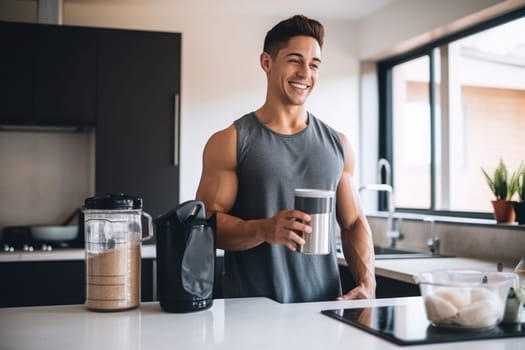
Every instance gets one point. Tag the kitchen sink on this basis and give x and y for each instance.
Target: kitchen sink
(395, 253)
(383, 253)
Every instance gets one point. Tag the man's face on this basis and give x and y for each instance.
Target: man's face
(293, 73)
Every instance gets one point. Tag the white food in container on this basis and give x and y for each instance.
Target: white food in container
(459, 297)
(439, 309)
(482, 313)
(465, 299)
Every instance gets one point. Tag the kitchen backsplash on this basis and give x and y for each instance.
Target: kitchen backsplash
(487, 242)
(45, 175)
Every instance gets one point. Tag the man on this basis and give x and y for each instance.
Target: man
(250, 171)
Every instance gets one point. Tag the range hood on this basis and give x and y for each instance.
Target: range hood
(44, 128)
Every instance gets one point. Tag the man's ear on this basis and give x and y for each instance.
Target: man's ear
(265, 61)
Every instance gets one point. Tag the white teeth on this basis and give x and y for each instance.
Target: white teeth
(299, 86)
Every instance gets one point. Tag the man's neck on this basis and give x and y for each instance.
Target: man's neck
(284, 120)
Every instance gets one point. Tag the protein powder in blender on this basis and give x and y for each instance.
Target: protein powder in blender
(113, 237)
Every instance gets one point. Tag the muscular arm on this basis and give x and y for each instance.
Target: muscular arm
(356, 235)
(218, 191)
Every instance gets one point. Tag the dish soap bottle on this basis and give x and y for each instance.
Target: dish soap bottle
(516, 296)
(514, 306)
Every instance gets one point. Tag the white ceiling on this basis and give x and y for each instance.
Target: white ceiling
(343, 9)
(322, 9)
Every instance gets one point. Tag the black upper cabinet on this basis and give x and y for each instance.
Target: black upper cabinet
(65, 70)
(17, 43)
(126, 82)
(48, 74)
(139, 79)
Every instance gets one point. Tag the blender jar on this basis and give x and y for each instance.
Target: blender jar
(113, 236)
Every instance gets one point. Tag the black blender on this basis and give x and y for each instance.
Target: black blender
(185, 258)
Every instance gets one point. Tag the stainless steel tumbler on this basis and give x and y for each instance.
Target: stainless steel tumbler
(318, 204)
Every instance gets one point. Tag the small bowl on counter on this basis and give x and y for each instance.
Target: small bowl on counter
(465, 299)
(52, 233)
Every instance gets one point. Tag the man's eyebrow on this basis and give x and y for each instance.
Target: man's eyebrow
(301, 56)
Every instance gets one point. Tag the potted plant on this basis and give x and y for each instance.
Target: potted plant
(503, 187)
(519, 207)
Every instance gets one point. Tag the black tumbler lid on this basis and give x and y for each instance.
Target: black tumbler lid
(113, 201)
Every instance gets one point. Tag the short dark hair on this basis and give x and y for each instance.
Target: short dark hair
(278, 37)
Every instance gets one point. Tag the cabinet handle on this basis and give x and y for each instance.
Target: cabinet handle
(176, 120)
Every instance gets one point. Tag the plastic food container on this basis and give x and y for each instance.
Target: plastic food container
(465, 299)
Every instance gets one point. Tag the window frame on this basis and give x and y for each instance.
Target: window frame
(385, 132)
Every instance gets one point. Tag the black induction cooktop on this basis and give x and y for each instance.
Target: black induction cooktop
(408, 325)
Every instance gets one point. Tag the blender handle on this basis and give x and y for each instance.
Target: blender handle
(150, 227)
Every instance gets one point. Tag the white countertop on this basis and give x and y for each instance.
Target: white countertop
(251, 323)
(405, 269)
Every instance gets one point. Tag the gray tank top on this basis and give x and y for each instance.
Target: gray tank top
(269, 167)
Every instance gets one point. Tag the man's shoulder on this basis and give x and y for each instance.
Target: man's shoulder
(245, 119)
(322, 124)
(231, 129)
(224, 134)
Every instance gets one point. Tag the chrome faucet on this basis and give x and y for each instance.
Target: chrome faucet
(433, 241)
(391, 233)
(384, 163)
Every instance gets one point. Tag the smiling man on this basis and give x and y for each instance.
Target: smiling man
(250, 172)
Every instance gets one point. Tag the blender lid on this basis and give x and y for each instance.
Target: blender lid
(113, 201)
(190, 211)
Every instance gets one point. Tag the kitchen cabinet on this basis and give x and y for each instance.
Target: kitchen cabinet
(34, 283)
(137, 128)
(48, 75)
(65, 75)
(126, 82)
(217, 283)
(391, 288)
(16, 72)
(42, 283)
(385, 288)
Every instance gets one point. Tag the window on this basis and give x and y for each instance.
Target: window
(411, 129)
(451, 108)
